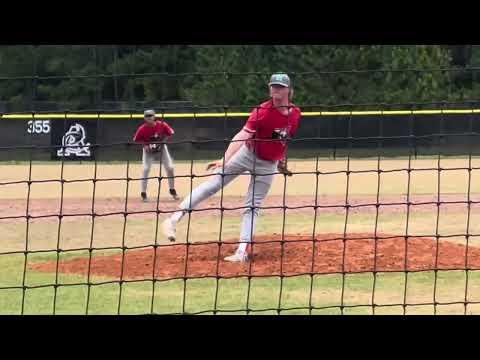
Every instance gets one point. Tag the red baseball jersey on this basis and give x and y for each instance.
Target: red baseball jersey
(268, 123)
(149, 134)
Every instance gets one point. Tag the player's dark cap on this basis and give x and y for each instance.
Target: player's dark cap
(148, 113)
(279, 79)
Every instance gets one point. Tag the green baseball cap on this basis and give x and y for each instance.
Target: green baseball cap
(279, 79)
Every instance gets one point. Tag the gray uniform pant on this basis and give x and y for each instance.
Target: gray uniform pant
(163, 156)
(260, 182)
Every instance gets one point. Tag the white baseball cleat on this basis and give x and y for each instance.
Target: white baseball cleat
(169, 229)
(237, 257)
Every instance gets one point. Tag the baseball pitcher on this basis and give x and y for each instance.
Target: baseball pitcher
(260, 149)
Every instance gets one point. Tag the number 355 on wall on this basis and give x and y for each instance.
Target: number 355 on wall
(38, 127)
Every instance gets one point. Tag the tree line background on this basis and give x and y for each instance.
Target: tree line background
(88, 77)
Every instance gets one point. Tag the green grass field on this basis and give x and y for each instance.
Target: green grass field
(324, 293)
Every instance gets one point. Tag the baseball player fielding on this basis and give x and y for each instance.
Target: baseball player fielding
(151, 134)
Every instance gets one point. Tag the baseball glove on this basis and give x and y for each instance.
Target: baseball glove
(154, 147)
(282, 168)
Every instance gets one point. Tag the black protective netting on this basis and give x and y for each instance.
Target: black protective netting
(378, 216)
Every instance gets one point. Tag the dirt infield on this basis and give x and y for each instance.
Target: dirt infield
(74, 208)
(268, 258)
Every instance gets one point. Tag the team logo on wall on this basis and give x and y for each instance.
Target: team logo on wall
(73, 139)
(74, 142)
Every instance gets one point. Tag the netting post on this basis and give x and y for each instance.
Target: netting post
(377, 206)
(27, 218)
(437, 235)
(314, 240)
(407, 220)
(92, 232)
(469, 208)
(125, 215)
(158, 211)
(282, 241)
(60, 217)
(187, 248)
(222, 210)
(252, 209)
(347, 208)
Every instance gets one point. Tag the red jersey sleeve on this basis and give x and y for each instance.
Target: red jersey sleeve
(253, 121)
(167, 129)
(139, 135)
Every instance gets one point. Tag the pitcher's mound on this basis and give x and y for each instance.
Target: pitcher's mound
(327, 253)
